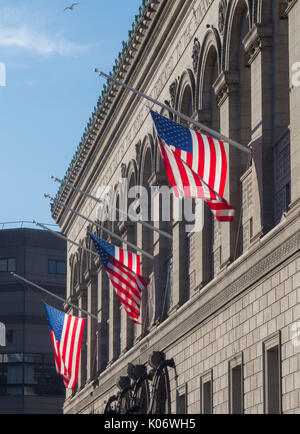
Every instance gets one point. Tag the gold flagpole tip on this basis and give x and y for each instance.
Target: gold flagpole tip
(96, 70)
(34, 222)
(51, 177)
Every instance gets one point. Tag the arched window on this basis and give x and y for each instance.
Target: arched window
(131, 234)
(147, 235)
(183, 255)
(240, 126)
(210, 112)
(281, 110)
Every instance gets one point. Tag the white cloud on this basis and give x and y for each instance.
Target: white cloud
(35, 41)
(19, 29)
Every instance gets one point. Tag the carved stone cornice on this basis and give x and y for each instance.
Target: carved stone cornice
(225, 85)
(257, 39)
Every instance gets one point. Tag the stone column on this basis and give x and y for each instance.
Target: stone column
(156, 290)
(82, 303)
(114, 324)
(200, 242)
(258, 46)
(293, 12)
(226, 89)
(92, 302)
(103, 324)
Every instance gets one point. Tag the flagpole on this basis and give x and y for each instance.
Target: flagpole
(147, 225)
(16, 276)
(181, 115)
(143, 252)
(65, 238)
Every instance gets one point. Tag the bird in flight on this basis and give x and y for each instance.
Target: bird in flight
(71, 7)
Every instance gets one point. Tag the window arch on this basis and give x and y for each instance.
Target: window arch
(238, 25)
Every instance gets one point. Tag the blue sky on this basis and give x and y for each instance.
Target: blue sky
(50, 91)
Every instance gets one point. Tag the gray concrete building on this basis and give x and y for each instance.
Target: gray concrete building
(220, 317)
(28, 380)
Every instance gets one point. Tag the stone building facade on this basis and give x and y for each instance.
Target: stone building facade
(222, 332)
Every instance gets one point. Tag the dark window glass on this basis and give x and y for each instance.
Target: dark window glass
(207, 397)
(272, 381)
(11, 265)
(236, 390)
(57, 267)
(29, 374)
(7, 265)
(182, 404)
(61, 268)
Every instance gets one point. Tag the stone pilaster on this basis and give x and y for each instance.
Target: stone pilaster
(103, 325)
(226, 89)
(162, 248)
(293, 12)
(114, 324)
(82, 303)
(92, 324)
(258, 46)
(200, 242)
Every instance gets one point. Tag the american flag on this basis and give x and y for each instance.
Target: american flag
(124, 271)
(66, 335)
(196, 165)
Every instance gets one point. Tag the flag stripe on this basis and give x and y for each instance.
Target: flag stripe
(66, 333)
(196, 165)
(123, 269)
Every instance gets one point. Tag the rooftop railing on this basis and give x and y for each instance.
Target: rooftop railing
(23, 224)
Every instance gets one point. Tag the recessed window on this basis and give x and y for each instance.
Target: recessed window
(206, 391)
(236, 389)
(272, 375)
(182, 400)
(7, 265)
(57, 267)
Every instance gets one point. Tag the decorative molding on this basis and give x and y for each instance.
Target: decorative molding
(173, 90)
(196, 54)
(221, 16)
(123, 170)
(138, 151)
(258, 39)
(226, 84)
